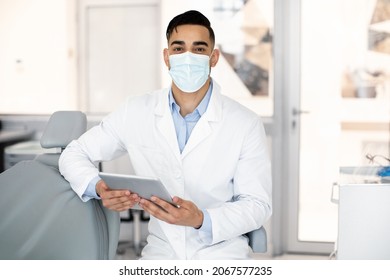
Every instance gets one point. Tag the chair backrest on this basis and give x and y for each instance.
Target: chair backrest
(61, 129)
(41, 217)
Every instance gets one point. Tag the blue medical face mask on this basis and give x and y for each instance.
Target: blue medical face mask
(189, 71)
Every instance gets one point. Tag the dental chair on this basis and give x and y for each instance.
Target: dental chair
(258, 240)
(41, 217)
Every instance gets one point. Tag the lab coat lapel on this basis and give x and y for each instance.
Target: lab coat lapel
(165, 125)
(203, 128)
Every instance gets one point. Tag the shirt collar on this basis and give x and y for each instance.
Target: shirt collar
(201, 108)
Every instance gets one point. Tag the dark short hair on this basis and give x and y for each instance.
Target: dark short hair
(190, 17)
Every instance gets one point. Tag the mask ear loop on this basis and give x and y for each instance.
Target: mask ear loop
(210, 61)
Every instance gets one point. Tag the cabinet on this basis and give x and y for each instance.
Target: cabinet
(364, 222)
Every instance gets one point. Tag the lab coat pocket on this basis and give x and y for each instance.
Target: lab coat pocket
(235, 248)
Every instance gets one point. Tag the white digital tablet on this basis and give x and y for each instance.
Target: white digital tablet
(145, 187)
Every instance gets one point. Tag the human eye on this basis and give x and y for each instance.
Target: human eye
(177, 49)
(199, 50)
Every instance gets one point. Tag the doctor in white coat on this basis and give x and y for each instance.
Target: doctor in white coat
(208, 150)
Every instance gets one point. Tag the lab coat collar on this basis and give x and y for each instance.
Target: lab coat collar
(164, 122)
(213, 112)
(202, 129)
(200, 109)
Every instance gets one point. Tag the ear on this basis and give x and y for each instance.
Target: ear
(214, 57)
(166, 57)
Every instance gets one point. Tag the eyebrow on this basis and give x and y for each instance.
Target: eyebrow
(196, 43)
(177, 43)
(200, 43)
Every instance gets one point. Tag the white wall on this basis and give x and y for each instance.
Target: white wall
(37, 56)
(40, 56)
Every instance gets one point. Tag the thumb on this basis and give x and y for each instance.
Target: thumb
(100, 187)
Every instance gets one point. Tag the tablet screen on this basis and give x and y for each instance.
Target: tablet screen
(145, 187)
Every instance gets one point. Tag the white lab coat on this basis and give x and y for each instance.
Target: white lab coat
(224, 168)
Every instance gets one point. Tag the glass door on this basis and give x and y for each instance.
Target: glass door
(342, 112)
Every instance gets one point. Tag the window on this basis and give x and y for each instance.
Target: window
(244, 33)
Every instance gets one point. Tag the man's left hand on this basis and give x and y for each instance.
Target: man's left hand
(186, 214)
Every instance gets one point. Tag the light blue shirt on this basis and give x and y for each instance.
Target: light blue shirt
(183, 126)
(90, 192)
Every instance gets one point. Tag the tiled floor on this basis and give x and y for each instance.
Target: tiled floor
(127, 232)
(129, 254)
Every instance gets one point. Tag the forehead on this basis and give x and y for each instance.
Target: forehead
(190, 33)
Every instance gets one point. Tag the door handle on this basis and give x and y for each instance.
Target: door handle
(296, 112)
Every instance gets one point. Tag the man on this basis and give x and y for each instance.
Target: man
(209, 152)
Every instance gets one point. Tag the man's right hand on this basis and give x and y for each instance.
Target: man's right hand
(117, 200)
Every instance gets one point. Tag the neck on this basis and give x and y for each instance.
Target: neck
(189, 101)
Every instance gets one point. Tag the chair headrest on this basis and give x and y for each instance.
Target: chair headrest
(62, 128)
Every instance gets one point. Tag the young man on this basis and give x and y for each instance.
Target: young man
(208, 150)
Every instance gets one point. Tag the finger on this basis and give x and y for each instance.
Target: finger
(123, 207)
(120, 202)
(149, 205)
(120, 207)
(168, 207)
(124, 199)
(154, 210)
(115, 194)
(178, 201)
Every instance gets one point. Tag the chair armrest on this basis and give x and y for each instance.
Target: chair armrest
(258, 240)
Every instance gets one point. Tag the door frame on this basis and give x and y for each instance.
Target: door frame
(286, 133)
(83, 6)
